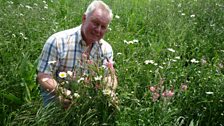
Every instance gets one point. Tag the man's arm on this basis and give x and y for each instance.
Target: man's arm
(49, 84)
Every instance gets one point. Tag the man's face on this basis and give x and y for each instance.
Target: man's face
(95, 26)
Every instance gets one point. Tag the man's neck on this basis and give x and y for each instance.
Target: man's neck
(87, 42)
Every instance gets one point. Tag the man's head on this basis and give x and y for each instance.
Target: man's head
(95, 21)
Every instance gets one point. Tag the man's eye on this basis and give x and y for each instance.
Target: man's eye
(104, 27)
(95, 23)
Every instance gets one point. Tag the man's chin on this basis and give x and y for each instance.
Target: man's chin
(95, 40)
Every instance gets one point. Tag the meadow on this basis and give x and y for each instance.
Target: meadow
(169, 59)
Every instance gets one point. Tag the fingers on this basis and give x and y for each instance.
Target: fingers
(66, 103)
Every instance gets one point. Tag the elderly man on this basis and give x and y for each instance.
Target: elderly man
(67, 47)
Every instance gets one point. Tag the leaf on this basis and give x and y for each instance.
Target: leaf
(191, 123)
(12, 98)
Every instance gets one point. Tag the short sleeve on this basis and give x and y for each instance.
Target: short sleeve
(48, 58)
(107, 54)
(107, 51)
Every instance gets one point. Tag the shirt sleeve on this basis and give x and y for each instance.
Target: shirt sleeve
(107, 51)
(48, 58)
(107, 54)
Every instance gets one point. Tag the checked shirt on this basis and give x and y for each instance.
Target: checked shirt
(66, 48)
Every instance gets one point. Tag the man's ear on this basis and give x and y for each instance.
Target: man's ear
(83, 18)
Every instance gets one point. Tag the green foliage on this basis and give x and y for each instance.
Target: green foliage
(180, 42)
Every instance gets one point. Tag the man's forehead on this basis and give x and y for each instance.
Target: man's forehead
(100, 16)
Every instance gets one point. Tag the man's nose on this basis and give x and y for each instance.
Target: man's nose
(98, 28)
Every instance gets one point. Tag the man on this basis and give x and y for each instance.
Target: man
(67, 47)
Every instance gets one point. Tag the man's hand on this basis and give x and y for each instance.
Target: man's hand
(66, 103)
(47, 82)
(111, 82)
(66, 99)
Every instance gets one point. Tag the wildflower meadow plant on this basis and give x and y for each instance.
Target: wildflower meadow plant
(92, 90)
(180, 41)
(159, 91)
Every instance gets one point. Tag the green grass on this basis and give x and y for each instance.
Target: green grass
(194, 29)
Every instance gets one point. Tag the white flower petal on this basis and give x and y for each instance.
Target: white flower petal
(149, 61)
(81, 79)
(116, 16)
(62, 75)
(98, 78)
(193, 15)
(194, 61)
(135, 41)
(177, 57)
(171, 50)
(69, 73)
(76, 95)
(209, 93)
(106, 91)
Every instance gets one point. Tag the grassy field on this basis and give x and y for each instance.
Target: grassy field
(169, 58)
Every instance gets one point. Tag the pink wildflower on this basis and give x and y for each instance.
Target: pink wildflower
(183, 87)
(74, 76)
(152, 89)
(168, 93)
(164, 94)
(110, 65)
(84, 56)
(155, 96)
(89, 61)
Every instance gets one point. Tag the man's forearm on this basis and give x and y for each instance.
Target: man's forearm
(50, 84)
(47, 82)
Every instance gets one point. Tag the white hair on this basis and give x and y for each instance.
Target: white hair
(98, 4)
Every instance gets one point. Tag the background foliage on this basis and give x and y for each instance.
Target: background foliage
(193, 29)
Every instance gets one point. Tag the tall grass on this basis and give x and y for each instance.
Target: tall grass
(182, 39)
